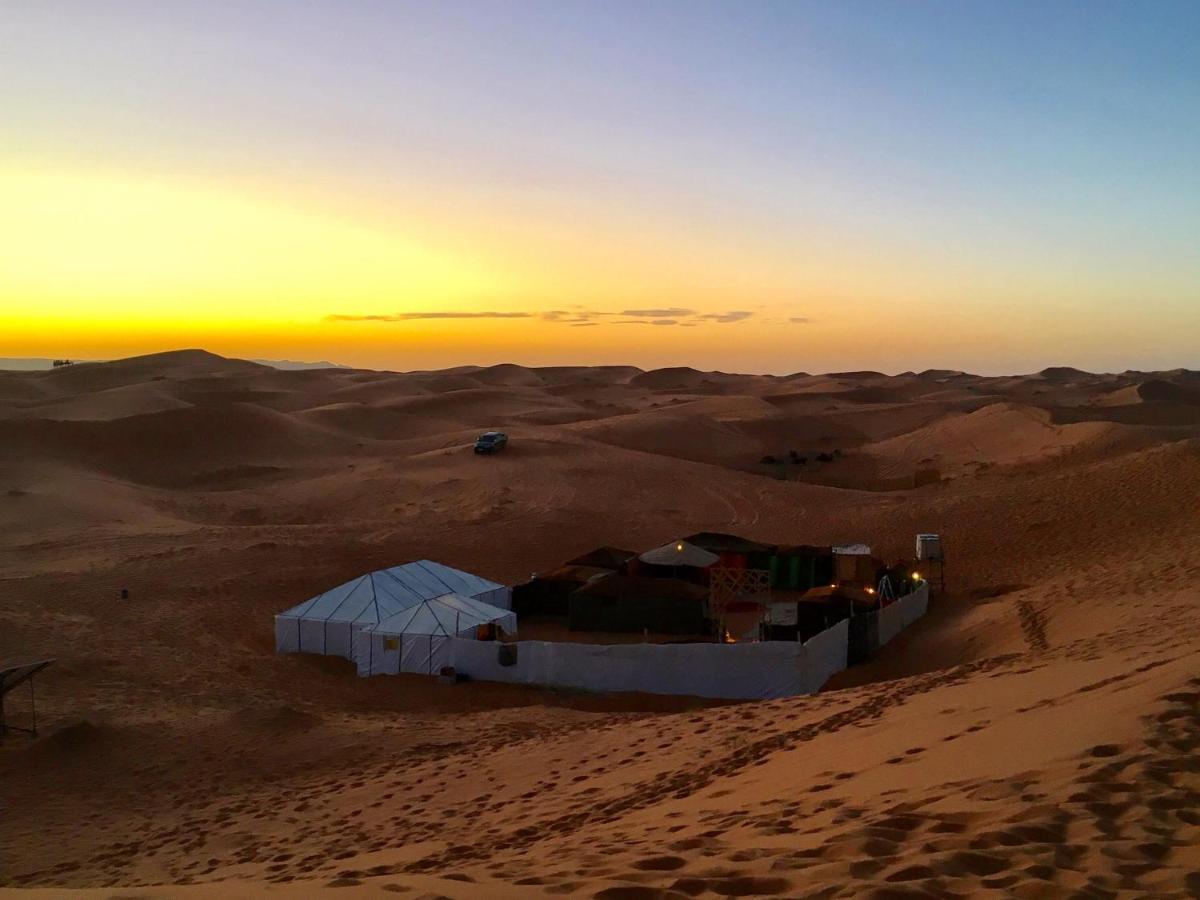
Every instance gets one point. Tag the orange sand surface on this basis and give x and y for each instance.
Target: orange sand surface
(1036, 735)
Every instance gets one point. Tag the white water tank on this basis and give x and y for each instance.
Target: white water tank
(929, 546)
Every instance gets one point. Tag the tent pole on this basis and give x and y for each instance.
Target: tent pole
(429, 660)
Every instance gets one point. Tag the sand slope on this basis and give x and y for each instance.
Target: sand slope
(1034, 736)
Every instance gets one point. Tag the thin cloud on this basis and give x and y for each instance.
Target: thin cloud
(800, 320)
(573, 315)
(672, 312)
(408, 317)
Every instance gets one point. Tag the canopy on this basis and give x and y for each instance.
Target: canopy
(853, 550)
(679, 553)
(327, 622)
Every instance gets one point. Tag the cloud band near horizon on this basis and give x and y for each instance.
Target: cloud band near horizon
(671, 315)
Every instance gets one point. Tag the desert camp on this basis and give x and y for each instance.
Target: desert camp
(685, 601)
(590, 450)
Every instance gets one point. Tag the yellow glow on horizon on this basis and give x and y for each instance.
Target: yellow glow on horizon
(121, 253)
(101, 265)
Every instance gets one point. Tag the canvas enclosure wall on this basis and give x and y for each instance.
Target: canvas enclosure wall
(748, 671)
(897, 616)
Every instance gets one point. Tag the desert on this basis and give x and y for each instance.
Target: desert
(1035, 735)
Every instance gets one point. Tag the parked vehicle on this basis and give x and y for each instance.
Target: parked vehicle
(491, 442)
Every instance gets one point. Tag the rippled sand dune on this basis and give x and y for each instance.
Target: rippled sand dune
(1035, 736)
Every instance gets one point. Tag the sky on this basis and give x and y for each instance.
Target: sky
(750, 186)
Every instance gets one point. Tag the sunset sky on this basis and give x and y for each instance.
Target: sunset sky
(764, 187)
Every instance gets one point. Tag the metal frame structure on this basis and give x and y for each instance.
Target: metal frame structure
(11, 677)
(727, 584)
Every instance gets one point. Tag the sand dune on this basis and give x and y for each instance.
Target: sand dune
(1003, 434)
(1034, 736)
(508, 375)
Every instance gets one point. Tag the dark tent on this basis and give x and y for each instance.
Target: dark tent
(800, 567)
(821, 607)
(611, 558)
(630, 603)
(717, 541)
(735, 552)
(548, 594)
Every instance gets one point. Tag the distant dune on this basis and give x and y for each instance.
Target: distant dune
(1034, 736)
(34, 364)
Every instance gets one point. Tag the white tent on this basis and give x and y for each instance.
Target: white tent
(416, 639)
(326, 624)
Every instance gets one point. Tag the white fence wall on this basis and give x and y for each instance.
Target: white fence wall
(897, 616)
(750, 671)
(917, 604)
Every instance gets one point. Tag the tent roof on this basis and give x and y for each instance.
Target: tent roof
(717, 541)
(449, 615)
(373, 597)
(577, 574)
(632, 587)
(14, 672)
(603, 558)
(679, 553)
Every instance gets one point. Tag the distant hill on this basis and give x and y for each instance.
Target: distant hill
(38, 364)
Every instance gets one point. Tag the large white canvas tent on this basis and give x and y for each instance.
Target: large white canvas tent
(326, 624)
(417, 639)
